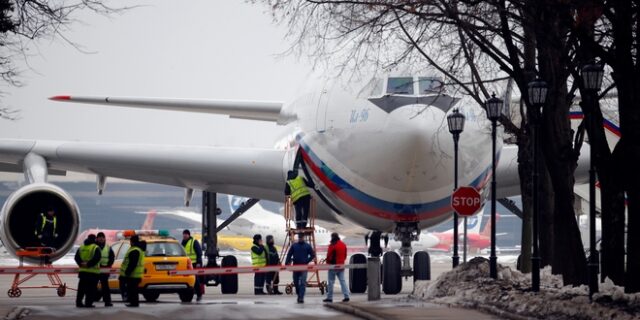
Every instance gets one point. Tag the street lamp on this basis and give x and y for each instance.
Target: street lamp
(494, 111)
(455, 120)
(537, 93)
(592, 80)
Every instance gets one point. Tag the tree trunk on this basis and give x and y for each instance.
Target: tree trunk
(547, 201)
(525, 167)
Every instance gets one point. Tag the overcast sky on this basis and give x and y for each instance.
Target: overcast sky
(194, 49)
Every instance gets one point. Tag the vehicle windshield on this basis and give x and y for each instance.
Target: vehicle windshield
(400, 85)
(164, 249)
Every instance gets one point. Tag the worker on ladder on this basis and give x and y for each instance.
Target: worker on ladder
(297, 188)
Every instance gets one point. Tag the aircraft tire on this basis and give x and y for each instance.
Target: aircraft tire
(358, 277)
(421, 266)
(391, 278)
(229, 282)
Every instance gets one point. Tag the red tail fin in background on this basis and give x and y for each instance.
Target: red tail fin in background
(148, 222)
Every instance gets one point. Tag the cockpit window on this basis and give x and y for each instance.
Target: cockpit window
(401, 85)
(372, 89)
(429, 85)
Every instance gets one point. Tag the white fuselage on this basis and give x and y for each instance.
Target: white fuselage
(377, 167)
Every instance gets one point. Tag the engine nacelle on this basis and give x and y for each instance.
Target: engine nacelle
(21, 213)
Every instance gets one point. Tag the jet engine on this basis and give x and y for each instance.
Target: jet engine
(21, 213)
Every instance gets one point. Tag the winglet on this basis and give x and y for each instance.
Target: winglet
(60, 98)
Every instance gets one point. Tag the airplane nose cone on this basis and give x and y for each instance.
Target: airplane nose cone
(412, 152)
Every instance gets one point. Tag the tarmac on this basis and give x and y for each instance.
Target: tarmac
(43, 303)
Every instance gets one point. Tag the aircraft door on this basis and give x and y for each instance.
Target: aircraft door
(321, 115)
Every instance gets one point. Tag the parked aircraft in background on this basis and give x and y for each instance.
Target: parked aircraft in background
(257, 220)
(112, 234)
(476, 239)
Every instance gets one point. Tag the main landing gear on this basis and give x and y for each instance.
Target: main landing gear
(394, 265)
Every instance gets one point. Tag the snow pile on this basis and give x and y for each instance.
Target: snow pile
(470, 286)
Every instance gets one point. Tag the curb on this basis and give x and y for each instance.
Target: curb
(350, 309)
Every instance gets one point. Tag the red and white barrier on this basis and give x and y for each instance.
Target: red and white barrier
(6, 270)
(48, 270)
(237, 270)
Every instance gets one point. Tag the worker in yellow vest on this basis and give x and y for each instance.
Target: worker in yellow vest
(297, 188)
(106, 261)
(258, 259)
(88, 260)
(131, 271)
(46, 228)
(194, 252)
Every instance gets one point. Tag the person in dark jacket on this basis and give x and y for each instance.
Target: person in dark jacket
(272, 278)
(258, 259)
(194, 252)
(336, 254)
(46, 228)
(88, 259)
(298, 189)
(300, 253)
(132, 269)
(106, 261)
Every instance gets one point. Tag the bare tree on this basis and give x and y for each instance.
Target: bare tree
(23, 22)
(472, 42)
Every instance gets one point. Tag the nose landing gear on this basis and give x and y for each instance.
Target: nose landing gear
(394, 265)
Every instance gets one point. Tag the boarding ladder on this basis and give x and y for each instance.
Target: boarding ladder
(313, 277)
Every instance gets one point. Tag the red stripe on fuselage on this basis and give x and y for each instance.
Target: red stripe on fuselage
(364, 207)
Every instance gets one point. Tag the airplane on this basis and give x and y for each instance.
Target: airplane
(111, 235)
(380, 158)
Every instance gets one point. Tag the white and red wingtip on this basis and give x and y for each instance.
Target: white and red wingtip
(60, 98)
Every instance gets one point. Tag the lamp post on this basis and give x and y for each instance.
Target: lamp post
(494, 110)
(537, 94)
(455, 120)
(592, 80)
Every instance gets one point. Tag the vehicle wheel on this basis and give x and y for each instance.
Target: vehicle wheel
(288, 289)
(358, 277)
(62, 291)
(151, 296)
(421, 266)
(186, 295)
(14, 292)
(391, 278)
(229, 282)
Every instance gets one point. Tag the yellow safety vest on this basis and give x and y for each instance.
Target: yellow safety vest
(86, 254)
(191, 252)
(298, 188)
(104, 260)
(258, 260)
(44, 222)
(139, 270)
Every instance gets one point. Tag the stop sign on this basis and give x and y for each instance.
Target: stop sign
(466, 201)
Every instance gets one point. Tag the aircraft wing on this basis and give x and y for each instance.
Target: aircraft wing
(248, 172)
(508, 179)
(253, 110)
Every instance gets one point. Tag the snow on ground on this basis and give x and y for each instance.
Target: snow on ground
(470, 286)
